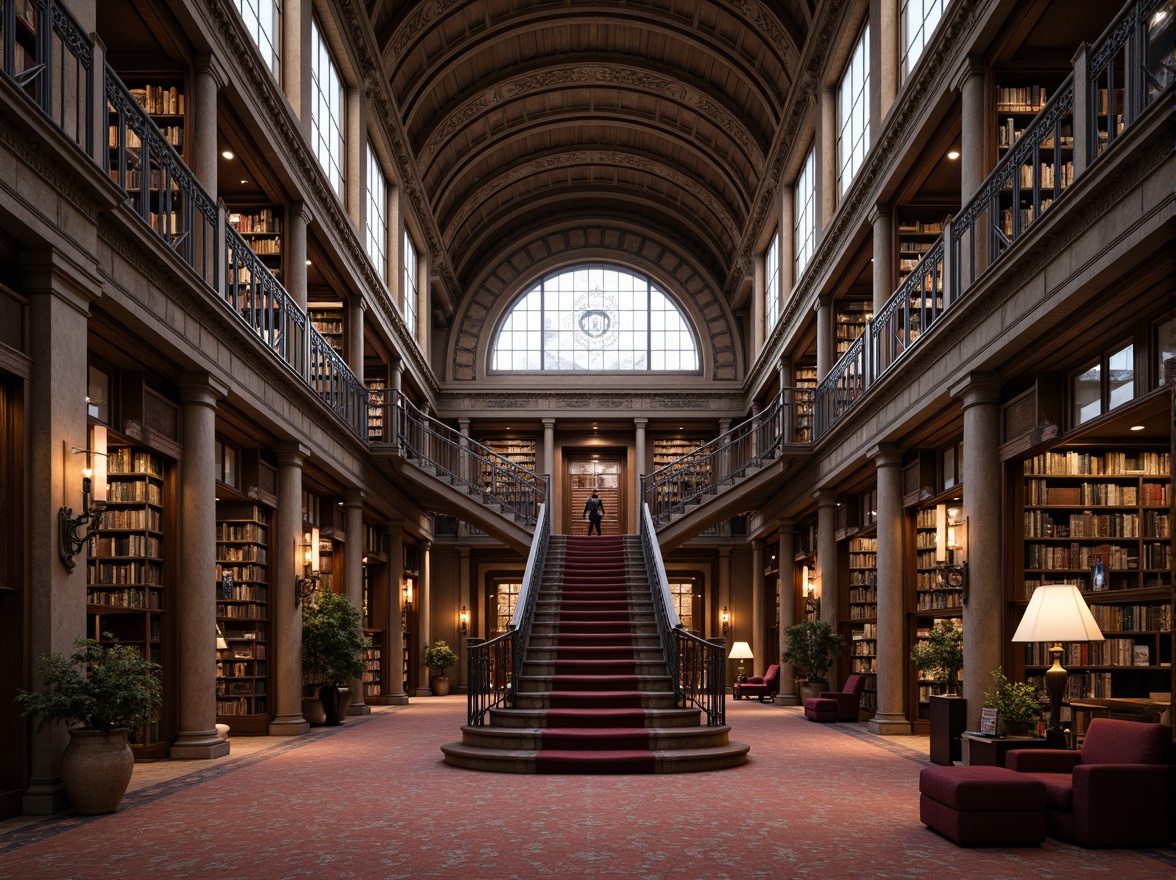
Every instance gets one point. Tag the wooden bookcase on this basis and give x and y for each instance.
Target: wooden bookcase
(242, 615)
(692, 478)
(126, 589)
(863, 615)
(916, 231)
(377, 398)
(328, 320)
(1100, 518)
(804, 378)
(849, 319)
(261, 227)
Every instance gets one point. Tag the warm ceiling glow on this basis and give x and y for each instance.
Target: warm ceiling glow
(228, 154)
(953, 154)
(244, 181)
(309, 263)
(1137, 427)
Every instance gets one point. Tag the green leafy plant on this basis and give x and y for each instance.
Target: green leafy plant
(1015, 702)
(332, 640)
(941, 655)
(812, 648)
(99, 687)
(439, 656)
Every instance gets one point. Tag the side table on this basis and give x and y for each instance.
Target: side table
(990, 751)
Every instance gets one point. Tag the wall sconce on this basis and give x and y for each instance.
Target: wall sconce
(306, 583)
(408, 595)
(951, 535)
(464, 620)
(725, 619)
(70, 537)
(812, 599)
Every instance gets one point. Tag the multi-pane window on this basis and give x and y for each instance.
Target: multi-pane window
(326, 117)
(772, 283)
(919, 18)
(805, 208)
(377, 221)
(1104, 385)
(263, 20)
(853, 112)
(595, 318)
(411, 283)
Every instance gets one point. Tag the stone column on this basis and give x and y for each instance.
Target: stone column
(296, 57)
(886, 61)
(195, 596)
(969, 81)
(355, 182)
(825, 348)
(640, 441)
(210, 77)
(826, 159)
(758, 588)
(549, 452)
(892, 647)
(827, 564)
(980, 395)
(424, 617)
(298, 217)
(883, 279)
(786, 609)
(286, 651)
(353, 577)
(787, 416)
(59, 307)
(355, 349)
(394, 626)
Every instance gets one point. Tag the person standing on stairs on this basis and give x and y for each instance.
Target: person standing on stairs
(594, 511)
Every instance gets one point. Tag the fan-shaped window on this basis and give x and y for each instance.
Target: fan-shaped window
(594, 318)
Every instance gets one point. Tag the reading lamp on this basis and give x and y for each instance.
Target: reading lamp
(740, 651)
(1057, 613)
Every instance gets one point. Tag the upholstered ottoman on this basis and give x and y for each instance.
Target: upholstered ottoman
(820, 709)
(973, 805)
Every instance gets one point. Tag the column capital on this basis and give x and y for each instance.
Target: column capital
(640, 423)
(201, 388)
(354, 498)
(300, 211)
(826, 497)
(878, 211)
(292, 452)
(785, 525)
(977, 388)
(886, 455)
(548, 423)
(209, 65)
(972, 65)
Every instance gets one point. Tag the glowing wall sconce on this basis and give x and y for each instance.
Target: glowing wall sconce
(725, 619)
(307, 583)
(463, 619)
(951, 534)
(812, 598)
(70, 536)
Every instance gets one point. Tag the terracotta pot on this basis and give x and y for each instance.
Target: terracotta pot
(336, 701)
(96, 770)
(439, 685)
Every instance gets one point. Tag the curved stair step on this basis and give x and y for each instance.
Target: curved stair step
(458, 754)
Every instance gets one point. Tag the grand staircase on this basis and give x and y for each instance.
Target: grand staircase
(595, 695)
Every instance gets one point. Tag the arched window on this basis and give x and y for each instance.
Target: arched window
(594, 318)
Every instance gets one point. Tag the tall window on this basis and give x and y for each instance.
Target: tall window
(853, 111)
(1104, 385)
(594, 318)
(263, 20)
(919, 18)
(805, 208)
(377, 221)
(326, 118)
(411, 282)
(772, 283)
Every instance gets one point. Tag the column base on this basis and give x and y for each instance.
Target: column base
(44, 797)
(200, 745)
(889, 725)
(400, 699)
(289, 725)
(424, 692)
(361, 709)
(786, 700)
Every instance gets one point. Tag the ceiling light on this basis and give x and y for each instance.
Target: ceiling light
(309, 263)
(953, 154)
(1137, 427)
(228, 154)
(244, 181)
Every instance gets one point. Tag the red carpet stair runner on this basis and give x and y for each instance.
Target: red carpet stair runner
(595, 695)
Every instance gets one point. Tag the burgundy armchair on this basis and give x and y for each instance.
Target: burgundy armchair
(1116, 791)
(760, 686)
(839, 705)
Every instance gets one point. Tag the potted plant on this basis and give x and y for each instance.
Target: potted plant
(1016, 705)
(439, 656)
(106, 690)
(812, 648)
(332, 651)
(940, 656)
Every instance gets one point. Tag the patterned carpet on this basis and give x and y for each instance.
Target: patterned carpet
(373, 799)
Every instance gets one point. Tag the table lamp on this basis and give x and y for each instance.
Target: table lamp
(1057, 613)
(740, 651)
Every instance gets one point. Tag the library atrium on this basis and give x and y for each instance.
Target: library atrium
(327, 296)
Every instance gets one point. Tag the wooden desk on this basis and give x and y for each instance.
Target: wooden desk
(990, 751)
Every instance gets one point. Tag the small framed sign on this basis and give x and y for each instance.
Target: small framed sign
(988, 719)
(226, 585)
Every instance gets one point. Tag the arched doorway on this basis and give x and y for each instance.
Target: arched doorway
(599, 472)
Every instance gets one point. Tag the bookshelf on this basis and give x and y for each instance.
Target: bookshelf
(522, 451)
(1100, 518)
(863, 615)
(377, 398)
(850, 318)
(689, 477)
(262, 230)
(126, 591)
(917, 232)
(373, 675)
(931, 593)
(328, 320)
(804, 378)
(242, 615)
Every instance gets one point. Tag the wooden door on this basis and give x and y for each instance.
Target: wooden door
(603, 475)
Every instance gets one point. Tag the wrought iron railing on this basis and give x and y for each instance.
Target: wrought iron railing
(494, 666)
(910, 312)
(730, 457)
(845, 384)
(697, 667)
(461, 461)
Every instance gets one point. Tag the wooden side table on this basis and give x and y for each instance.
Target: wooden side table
(990, 751)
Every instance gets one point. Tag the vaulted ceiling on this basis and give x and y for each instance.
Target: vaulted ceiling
(528, 118)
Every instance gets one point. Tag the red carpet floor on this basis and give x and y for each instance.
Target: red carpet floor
(373, 799)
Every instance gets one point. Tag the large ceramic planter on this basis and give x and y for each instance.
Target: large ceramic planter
(312, 711)
(812, 687)
(439, 685)
(96, 769)
(336, 701)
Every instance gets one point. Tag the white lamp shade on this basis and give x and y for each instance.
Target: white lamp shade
(740, 651)
(1057, 613)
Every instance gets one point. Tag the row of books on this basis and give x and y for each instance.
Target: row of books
(244, 650)
(1049, 557)
(240, 706)
(251, 688)
(159, 99)
(243, 593)
(864, 647)
(863, 560)
(1077, 463)
(131, 572)
(138, 491)
(934, 227)
(1041, 524)
(863, 664)
(1042, 493)
(1133, 618)
(239, 532)
(860, 594)
(264, 221)
(246, 611)
(240, 553)
(173, 134)
(124, 460)
(1079, 685)
(146, 599)
(245, 571)
(863, 612)
(862, 577)
(865, 631)
(1109, 652)
(127, 545)
(938, 600)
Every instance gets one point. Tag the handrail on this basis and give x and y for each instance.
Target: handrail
(845, 384)
(728, 458)
(495, 665)
(463, 461)
(910, 312)
(697, 667)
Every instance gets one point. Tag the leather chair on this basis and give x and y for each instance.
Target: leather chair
(760, 686)
(1116, 791)
(839, 705)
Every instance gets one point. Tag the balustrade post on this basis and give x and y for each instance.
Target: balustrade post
(1080, 116)
(99, 120)
(948, 280)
